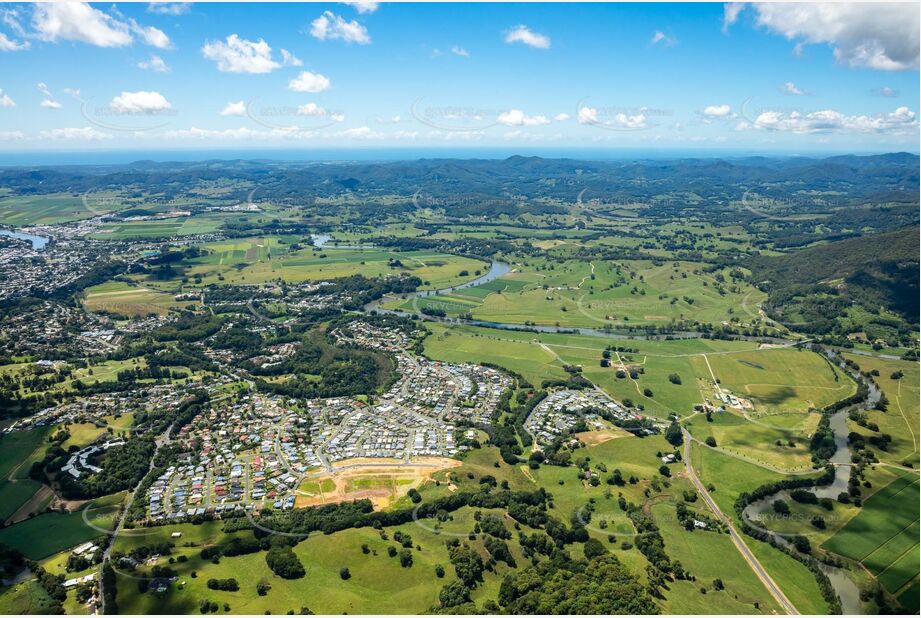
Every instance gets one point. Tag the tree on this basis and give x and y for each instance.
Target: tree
(284, 563)
(710, 441)
(454, 594)
(674, 378)
(344, 573)
(781, 507)
(673, 434)
(594, 548)
(439, 571)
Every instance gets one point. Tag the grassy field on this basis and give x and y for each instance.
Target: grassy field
(53, 208)
(782, 381)
(883, 537)
(901, 419)
(263, 259)
(576, 293)
(130, 300)
(50, 533)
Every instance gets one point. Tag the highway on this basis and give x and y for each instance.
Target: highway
(737, 539)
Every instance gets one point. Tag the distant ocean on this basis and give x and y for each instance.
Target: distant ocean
(115, 157)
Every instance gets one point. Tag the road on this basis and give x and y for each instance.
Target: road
(163, 439)
(737, 539)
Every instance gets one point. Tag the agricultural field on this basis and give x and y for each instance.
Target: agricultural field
(883, 537)
(264, 259)
(901, 419)
(576, 293)
(160, 228)
(782, 381)
(54, 208)
(53, 532)
(130, 300)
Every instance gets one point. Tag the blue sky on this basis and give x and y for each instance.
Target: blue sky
(785, 78)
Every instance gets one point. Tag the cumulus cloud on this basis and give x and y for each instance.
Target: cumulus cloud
(310, 109)
(457, 50)
(363, 6)
(717, 111)
(5, 100)
(169, 8)
(237, 55)
(140, 102)
(154, 63)
(791, 88)
(661, 37)
(731, 12)
(234, 108)
(150, 35)
(883, 36)
(73, 133)
(309, 82)
(900, 121)
(7, 44)
(517, 118)
(885, 91)
(523, 34)
(330, 26)
(78, 21)
(290, 60)
(591, 116)
(49, 102)
(561, 117)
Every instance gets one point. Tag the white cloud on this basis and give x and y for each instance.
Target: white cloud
(331, 26)
(731, 12)
(309, 82)
(791, 88)
(49, 101)
(457, 50)
(661, 37)
(78, 21)
(561, 117)
(517, 118)
(155, 63)
(883, 36)
(900, 121)
(150, 35)
(169, 8)
(5, 100)
(310, 109)
(590, 115)
(360, 133)
(234, 108)
(290, 60)
(14, 136)
(885, 91)
(8, 44)
(236, 55)
(363, 6)
(717, 111)
(140, 102)
(74, 133)
(523, 34)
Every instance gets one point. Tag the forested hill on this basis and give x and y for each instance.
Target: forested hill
(877, 270)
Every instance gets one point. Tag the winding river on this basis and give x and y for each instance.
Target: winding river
(844, 586)
(38, 242)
